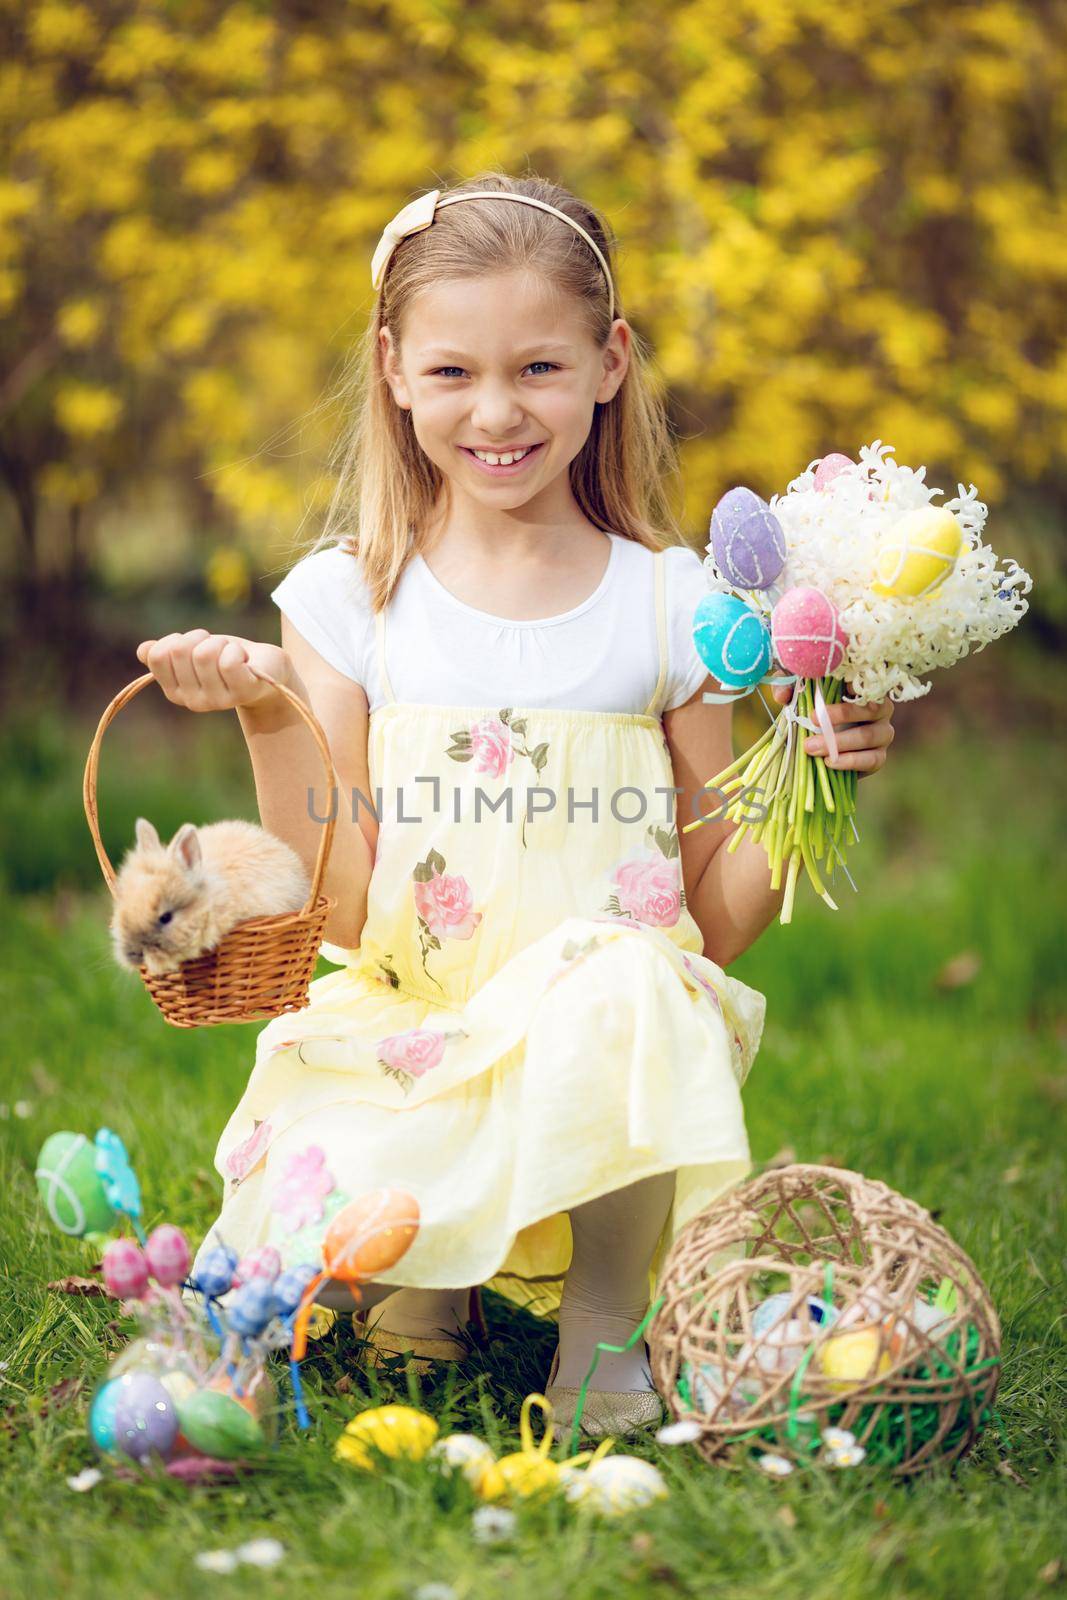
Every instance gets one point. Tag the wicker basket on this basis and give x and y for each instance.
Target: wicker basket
(262, 967)
(847, 1345)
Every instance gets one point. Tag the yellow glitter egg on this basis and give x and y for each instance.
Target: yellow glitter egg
(463, 1452)
(396, 1431)
(618, 1484)
(852, 1358)
(917, 554)
(527, 1472)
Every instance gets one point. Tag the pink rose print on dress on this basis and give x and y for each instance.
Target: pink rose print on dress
(444, 904)
(305, 1183)
(648, 886)
(409, 1055)
(244, 1156)
(491, 744)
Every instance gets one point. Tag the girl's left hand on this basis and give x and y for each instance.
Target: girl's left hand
(864, 732)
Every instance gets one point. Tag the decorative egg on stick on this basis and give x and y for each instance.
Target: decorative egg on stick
(125, 1270)
(808, 637)
(731, 640)
(367, 1237)
(917, 554)
(747, 540)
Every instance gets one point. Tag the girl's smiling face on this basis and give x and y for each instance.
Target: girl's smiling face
(502, 364)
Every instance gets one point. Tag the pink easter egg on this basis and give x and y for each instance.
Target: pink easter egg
(808, 638)
(828, 469)
(262, 1263)
(125, 1269)
(168, 1253)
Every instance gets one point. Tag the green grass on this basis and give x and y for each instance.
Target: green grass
(954, 1095)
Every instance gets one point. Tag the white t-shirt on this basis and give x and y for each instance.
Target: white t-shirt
(600, 656)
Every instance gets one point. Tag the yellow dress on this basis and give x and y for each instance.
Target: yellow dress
(528, 1021)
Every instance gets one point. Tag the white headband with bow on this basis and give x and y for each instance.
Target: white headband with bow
(419, 214)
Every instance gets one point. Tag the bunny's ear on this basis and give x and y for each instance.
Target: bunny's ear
(147, 837)
(185, 846)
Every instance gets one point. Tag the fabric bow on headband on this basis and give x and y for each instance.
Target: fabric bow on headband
(412, 218)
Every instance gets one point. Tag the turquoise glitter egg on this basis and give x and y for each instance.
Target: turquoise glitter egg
(732, 640)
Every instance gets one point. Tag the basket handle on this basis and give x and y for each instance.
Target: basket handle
(124, 697)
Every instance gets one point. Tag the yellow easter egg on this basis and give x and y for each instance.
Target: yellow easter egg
(917, 554)
(852, 1358)
(527, 1472)
(463, 1452)
(396, 1431)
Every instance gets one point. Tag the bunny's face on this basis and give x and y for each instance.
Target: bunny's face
(158, 893)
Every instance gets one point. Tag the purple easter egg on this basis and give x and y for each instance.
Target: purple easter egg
(828, 469)
(168, 1255)
(262, 1263)
(146, 1421)
(289, 1288)
(252, 1307)
(808, 637)
(213, 1274)
(125, 1269)
(747, 540)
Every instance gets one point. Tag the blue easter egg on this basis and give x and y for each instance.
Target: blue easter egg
(289, 1288)
(102, 1415)
(732, 640)
(776, 1307)
(747, 540)
(213, 1272)
(251, 1308)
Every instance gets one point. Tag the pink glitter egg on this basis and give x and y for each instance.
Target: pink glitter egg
(808, 638)
(262, 1263)
(828, 469)
(125, 1269)
(168, 1254)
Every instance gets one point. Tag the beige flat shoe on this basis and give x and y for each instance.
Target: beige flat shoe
(421, 1350)
(606, 1411)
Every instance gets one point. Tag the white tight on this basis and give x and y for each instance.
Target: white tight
(605, 1293)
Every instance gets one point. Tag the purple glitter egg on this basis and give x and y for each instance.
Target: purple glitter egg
(747, 540)
(146, 1422)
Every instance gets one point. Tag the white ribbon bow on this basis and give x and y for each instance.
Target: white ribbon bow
(412, 218)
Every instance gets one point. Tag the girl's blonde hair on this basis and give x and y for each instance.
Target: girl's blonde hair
(387, 487)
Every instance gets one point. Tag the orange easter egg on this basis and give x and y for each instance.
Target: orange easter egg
(370, 1234)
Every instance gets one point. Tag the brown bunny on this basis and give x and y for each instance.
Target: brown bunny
(174, 904)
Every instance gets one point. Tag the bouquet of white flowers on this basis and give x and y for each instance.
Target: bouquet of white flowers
(851, 577)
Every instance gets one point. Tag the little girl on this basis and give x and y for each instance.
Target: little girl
(531, 1029)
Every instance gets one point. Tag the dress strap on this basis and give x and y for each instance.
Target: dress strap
(383, 676)
(661, 632)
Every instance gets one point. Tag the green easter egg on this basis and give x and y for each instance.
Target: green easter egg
(70, 1187)
(218, 1425)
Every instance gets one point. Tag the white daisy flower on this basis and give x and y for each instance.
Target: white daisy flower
(684, 1432)
(848, 1456)
(775, 1466)
(82, 1482)
(434, 1591)
(216, 1560)
(261, 1552)
(491, 1524)
(837, 1438)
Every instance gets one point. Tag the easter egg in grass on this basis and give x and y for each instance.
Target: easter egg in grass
(218, 1422)
(917, 553)
(527, 1472)
(70, 1187)
(731, 640)
(102, 1416)
(808, 637)
(146, 1418)
(829, 468)
(747, 540)
(617, 1484)
(466, 1454)
(125, 1269)
(168, 1255)
(370, 1234)
(399, 1432)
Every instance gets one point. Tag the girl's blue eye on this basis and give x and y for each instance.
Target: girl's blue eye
(442, 371)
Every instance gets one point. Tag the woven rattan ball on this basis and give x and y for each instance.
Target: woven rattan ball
(879, 1325)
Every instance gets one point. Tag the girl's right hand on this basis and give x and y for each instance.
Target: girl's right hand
(205, 671)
